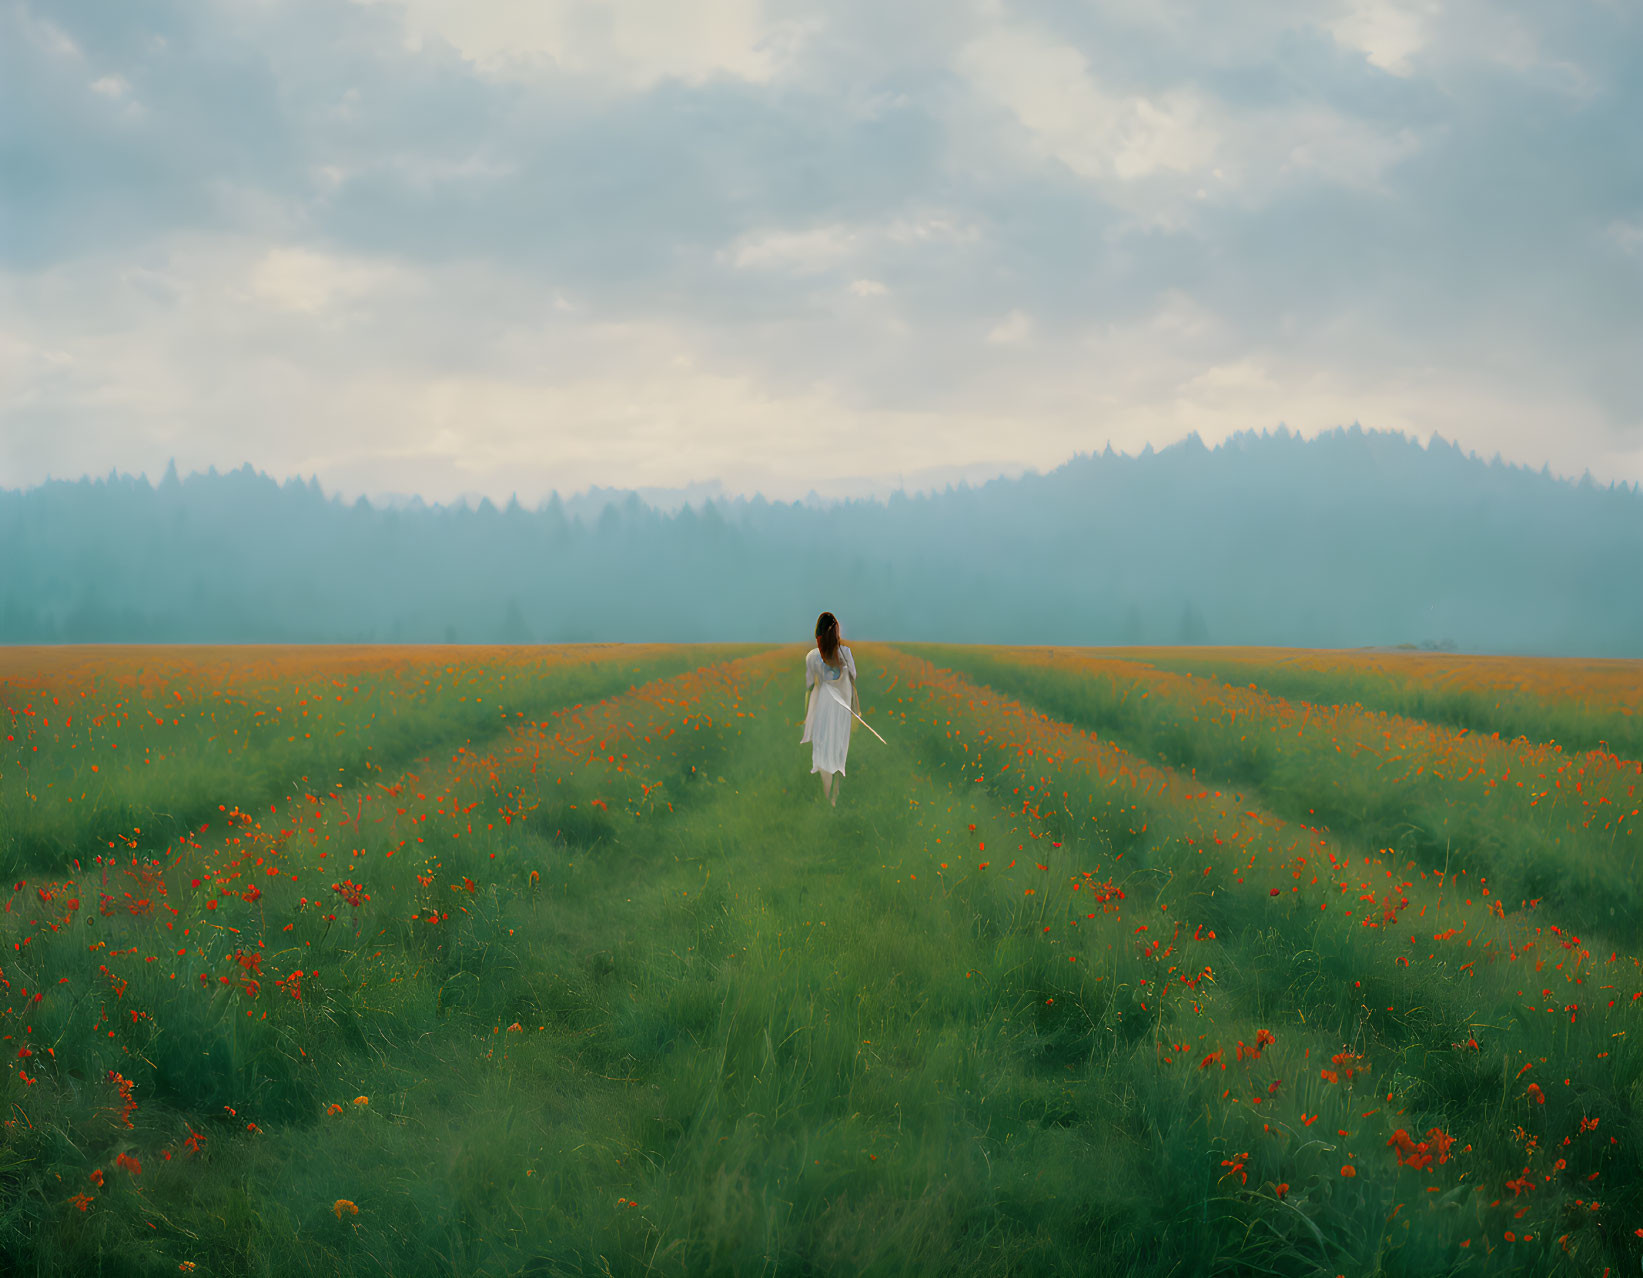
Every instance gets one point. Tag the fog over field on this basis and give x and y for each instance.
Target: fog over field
(1351, 538)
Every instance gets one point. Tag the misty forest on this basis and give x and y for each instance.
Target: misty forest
(1352, 538)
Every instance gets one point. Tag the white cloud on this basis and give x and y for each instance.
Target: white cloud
(116, 90)
(1628, 235)
(1012, 330)
(815, 249)
(932, 228)
(299, 279)
(802, 252)
(1430, 38)
(626, 44)
(1274, 146)
(883, 320)
(46, 35)
(1048, 88)
(497, 387)
(1176, 322)
(1217, 151)
(1386, 32)
(27, 369)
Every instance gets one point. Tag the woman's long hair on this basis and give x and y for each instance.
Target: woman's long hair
(827, 639)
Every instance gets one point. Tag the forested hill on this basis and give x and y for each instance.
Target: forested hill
(1351, 538)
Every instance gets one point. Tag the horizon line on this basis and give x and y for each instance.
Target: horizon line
(1010, 472)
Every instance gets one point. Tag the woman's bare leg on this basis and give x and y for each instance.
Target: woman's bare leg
(838, 780)
(827, 784)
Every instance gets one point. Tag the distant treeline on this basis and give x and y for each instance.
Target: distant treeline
(1351, 538)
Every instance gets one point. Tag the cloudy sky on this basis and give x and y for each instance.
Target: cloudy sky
(446, 246)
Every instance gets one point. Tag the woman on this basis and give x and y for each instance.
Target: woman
(829, 668)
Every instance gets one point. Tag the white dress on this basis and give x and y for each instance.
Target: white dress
(826, 722)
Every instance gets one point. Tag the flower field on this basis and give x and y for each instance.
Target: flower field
(555, 961)
(1582, 704)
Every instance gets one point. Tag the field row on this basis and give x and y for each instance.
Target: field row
(142, 744)
(1581, 704)
(1539, 823)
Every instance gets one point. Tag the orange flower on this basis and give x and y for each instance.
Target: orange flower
(362, 1100)
(1419, 1154)
(129, 1163)
(96, 1177)
(1349, 1171)
(82, 1201)
(332, 1109)
(343, 1205)
(1345, 1062)
(1282, 1188)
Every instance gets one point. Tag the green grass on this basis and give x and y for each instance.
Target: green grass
(783, 1031)
(1506, 812)
(1607, 716)
(190, 743)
